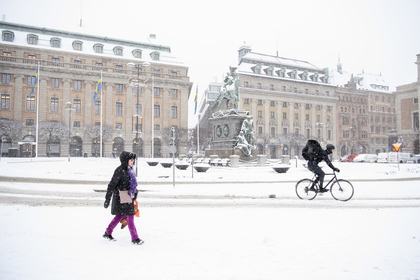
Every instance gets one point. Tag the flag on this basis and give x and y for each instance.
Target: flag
(31, 94)
(98, 88)
(196, 100)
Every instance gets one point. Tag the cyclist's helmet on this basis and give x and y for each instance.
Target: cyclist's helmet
(330, 147)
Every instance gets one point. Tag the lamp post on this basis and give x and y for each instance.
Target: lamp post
(138, 83)
(68, 104)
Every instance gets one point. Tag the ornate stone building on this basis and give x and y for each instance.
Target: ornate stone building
(69, 119)
(407, 104)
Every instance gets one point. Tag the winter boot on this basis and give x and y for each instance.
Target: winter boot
(137, 241)
(108, 236)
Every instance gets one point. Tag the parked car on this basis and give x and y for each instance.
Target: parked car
(366, 158)
(416, 158)
(348, 158)
(400, 157)
(383, 158)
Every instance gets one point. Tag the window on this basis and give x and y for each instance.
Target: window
(5, 102)
(346, 134)
(119, 68)
(416, 121)
(8, 36)
(416, 100)
(97, 107)
(346, 121)
(246, 101)
(156, 91)
(260, 130)
(246, 84)
(273, 115)
(174, 93)
(284, 130)
(118, 108)
(118, 51)
(32, 39)
(5, 78)
(296, 105)
(174, 112)
(98, 65)
(77, 63)
(284, 116)
(156, 127)
(55, 42)
(30, 104)
(119, 88)
(31, 80)
(259, 86)
(136, 53)
(307, 118)
(77, 45)
(29, 122)
(260, 103)
(78, 85)
(55, 61)
(273, 132)
(296, 116)
(98, 48)
(76, 124)
(155, 55)
(260, 114)
(54, 105)
(272, 103)
(139, 110)
(118, 125)
(156, 111)
(55, 83)
(284, 104)
(77, 105)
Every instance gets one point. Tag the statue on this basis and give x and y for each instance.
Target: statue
(245, 141)
(229, 91)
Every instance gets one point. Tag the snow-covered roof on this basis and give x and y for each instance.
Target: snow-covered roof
(67, 39)
(280, 62)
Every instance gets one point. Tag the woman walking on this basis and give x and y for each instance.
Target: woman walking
(123, 189)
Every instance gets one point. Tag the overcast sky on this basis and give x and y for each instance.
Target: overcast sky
(377, 36)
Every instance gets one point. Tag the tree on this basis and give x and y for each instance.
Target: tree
(94, 131)
(12, 129)
(53, 130)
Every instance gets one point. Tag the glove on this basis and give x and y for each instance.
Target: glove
(336, 170)
(106, 204)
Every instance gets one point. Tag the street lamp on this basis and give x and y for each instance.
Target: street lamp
(139, 82)
(69, 108)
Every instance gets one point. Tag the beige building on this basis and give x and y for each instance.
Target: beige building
(407, 104)
(70, 65)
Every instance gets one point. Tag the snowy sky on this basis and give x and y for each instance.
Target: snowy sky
(377, 36)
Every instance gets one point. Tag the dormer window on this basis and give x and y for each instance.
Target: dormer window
(118, 51)
(55, 42)
(77, 45)
(8, 36)
(314, 77)
(292, 74)
(269, 71)
(137, 53)
(155, 55)
(32, 39)
(98, 48)
(281, 72)
(256, 69)
(304, 75)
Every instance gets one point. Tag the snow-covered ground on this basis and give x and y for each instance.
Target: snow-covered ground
(215, 225)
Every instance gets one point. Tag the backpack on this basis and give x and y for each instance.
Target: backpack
(311, 150)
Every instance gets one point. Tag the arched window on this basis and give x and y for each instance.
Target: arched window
(118, 51)
(55, 42)
(137, 53)
(155, 55)
(8, 36)
(77, 45)
(98, 48)
(32, 39)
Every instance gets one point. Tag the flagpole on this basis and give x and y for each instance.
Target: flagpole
(100, 132)
(37, 119)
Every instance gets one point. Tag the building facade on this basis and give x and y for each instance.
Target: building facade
(407, 104)
(144, 94)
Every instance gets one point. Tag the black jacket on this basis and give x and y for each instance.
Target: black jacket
(120, 182)
(323, 156)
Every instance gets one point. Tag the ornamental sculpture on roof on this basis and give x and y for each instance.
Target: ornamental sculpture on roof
(228, 97)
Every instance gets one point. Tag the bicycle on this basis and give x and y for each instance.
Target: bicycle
(340, 189)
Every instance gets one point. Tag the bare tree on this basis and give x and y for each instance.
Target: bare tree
(53, 130)
(13, 129)
(94, 131)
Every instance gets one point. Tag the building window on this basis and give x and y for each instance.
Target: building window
(156, 91)
(77, 105)
(416, 121)
(155, 55)
(31, 80)
(5, 78)
(118, 108)
(54, 105)
(8, 36)
(260, 130)
(259, 86)
(174, 93)
(118, 51)
(284, 116)
(29, 122)
(136, 53)
(346, 134)
(97, 107)
(260, 102)
(77, 85)
(246, 101)
(5, 102)
(416, 100)
(119, 88)
(30, 104)
(246, 84)
(273, 132)
(98, 65)
(77, 45)
(272, 103)
(118, 125)
(98, 48)
(260, 114)
(76, 124)
(174, 112)
(296, 116)
(32, 39)
(55, 83)
(55, 42)
(273, 115)
(139, 109)
(156, 111)
(284, 104)
(119, 68)
(156, 127)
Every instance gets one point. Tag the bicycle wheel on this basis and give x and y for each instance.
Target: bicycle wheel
(342, 190)
(302, 189)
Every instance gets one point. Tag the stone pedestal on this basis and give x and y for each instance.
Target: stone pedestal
(234, 160)
(261, 160)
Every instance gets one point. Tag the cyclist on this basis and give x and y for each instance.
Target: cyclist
(313, 166)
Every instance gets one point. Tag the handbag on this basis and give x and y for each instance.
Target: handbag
(125, 198)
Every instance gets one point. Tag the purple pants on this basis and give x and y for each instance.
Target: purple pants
(130, 224)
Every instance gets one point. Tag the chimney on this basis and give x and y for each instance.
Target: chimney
(418, 67)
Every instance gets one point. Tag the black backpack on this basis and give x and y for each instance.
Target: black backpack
(312, 150)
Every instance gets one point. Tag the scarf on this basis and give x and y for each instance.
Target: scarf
(133, 182)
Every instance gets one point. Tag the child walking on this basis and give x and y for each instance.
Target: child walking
(123, 190)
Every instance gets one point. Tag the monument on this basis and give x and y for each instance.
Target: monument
(232, 128)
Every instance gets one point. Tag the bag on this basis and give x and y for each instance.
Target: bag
(311, 150)
(136, 209)
(125, 198)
